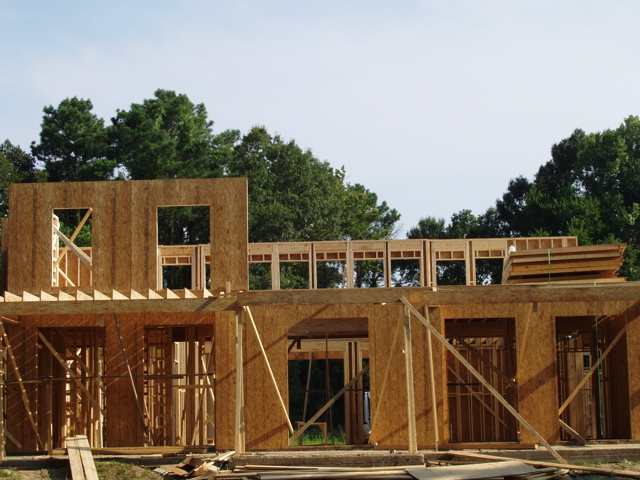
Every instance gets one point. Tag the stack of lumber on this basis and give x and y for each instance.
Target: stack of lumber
(81, 461)
(585, 264)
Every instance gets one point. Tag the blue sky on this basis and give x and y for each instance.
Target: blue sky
(433, 105)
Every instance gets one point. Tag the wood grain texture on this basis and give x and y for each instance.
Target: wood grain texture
(229, 234)
(123, 425)
(632, 318)
(536, 372)
(225, 381)
(21, 233)
(123, 237)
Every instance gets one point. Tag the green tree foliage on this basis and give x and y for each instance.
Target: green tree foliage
(293, 196)
(16, 166)
(73, 143)
(167, 136)
(589, 188)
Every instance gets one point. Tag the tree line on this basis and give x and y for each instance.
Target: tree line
(590, 187)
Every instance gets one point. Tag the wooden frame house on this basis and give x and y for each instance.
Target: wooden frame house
(92, 342)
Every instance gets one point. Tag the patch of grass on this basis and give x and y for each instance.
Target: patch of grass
(123, 471)
(9, 473)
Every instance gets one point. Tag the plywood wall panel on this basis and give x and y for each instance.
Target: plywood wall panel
(632, 318)
(229, 235)
(21, 233)
(225, 380)
(44, 197)
(102, 198)
(389, 426)
(154, 192)
(123, 237)
(536, 372)
(141, 241)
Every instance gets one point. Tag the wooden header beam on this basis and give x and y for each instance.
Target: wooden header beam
(195, 301)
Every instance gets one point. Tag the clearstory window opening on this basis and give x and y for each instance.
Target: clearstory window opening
(71, 242)
(183, 246)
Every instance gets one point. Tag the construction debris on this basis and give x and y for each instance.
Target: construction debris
(197, 468)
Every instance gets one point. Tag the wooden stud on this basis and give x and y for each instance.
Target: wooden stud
(240, 422)
(23, 391)
(432, 381)
(408, 367)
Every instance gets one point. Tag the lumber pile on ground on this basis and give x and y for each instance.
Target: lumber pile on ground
(514, 470)
(585, 264)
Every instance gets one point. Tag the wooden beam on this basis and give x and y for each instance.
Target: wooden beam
(273, 378)
(476, 374)
(434, 403)
(23, 391)
(239, 423)
(581, 440)
(449, 295)
(412, 440)
(594, 367)
(328, 404)
(385, 377)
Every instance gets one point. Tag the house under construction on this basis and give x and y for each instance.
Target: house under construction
(93, 343)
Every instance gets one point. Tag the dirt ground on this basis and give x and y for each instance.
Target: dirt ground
(122, 471)
(106, 471)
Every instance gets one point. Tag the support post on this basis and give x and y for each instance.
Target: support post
(408, 368)
(434, 403)
(240, 426)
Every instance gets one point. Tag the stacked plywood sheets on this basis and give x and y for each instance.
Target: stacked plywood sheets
(585, 264)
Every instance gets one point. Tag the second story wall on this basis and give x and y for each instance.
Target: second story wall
(124, 230)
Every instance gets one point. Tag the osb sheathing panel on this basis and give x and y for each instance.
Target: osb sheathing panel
(389, 424)
(632, 317)
(124, 228)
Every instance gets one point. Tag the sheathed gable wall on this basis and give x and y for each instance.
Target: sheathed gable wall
(124, 226)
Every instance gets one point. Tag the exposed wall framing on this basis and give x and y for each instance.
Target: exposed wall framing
(127, 363)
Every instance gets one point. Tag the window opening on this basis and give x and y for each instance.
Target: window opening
(451, 272)
(489, 271)
(71, 255)
(183, 245)
(368, 273)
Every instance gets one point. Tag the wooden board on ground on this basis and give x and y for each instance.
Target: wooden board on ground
(80, 459)
(473, 471)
